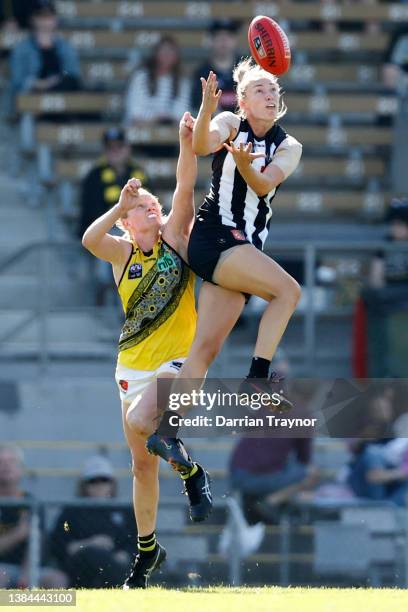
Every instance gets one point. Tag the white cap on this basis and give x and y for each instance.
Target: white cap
(97, 467)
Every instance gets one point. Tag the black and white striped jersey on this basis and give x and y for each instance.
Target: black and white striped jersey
(231, 201)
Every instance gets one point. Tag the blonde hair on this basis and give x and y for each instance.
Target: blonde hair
(119, 223)
(247, 71)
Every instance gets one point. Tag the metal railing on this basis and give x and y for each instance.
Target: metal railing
(44, 253)
(308, 251)
(235, 555)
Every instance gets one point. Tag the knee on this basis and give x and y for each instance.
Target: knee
(294, 293)
(290, 292)
(144, 470)
(137, 423)
(207, 349)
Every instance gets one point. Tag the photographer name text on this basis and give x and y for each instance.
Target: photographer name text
(269, 420)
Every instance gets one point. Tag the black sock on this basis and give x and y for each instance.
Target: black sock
(259, 368)
(167, 429)
(147, 545)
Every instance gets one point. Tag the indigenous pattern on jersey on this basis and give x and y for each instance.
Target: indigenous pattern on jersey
(231, 201)
(157, 293)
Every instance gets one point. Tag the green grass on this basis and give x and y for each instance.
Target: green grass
(223, 599)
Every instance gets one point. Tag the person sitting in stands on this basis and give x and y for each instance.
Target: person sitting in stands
(15, 528)
(44, 61)
(158, 93)
(94, 544)
(222, 59)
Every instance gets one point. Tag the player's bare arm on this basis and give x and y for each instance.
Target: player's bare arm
(180, 220)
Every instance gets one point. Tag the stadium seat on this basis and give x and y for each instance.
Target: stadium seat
(313, 11)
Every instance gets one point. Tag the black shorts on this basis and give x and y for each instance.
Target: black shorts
(207, 242)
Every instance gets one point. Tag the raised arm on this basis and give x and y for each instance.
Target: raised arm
(209, 135)
(96, 238)
(181, 216)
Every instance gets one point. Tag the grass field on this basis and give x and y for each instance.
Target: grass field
(223, 599)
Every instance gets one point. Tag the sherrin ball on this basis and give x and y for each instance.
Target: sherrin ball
(269, 45)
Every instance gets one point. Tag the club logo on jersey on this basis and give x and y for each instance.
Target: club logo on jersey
(259, 47)
(165, 262)
(135, 271)
(238, 235)
(124, 385)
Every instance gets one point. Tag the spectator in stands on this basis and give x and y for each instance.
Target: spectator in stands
(94, 543)
(44, 61)
(102, 185)
(372, 476)
(373, 472)
(15, 528)
(100, 190)
(158, 92)
(391, 268)
(395, 69)
(270, 471)
(224, 55)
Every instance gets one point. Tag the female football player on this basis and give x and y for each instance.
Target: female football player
(156, 288)
(253, 156)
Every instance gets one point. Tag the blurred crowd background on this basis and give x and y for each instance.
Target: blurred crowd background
(91, 95)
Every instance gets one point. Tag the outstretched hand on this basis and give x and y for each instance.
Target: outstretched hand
(129, 195)
(211, 96)
(243, 156)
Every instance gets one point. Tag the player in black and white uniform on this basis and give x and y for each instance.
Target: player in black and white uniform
(253, 156)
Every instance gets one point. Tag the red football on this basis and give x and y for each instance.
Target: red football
(269, 45)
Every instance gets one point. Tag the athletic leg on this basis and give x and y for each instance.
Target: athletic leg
(145, 467)
(218, 311)
(249, 270)
(141, 420)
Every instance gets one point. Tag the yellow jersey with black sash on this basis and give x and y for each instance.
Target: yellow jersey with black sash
(157, 294)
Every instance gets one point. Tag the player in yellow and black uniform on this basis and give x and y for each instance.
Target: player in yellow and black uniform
(156, 288)
(166, 312)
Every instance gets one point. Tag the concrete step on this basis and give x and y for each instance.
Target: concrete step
(20, 224)
(61, 327)
(64, 408)
(23, 291)
(63, 351)
(71, 458)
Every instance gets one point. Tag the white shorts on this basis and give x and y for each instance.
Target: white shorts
(132, 383)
